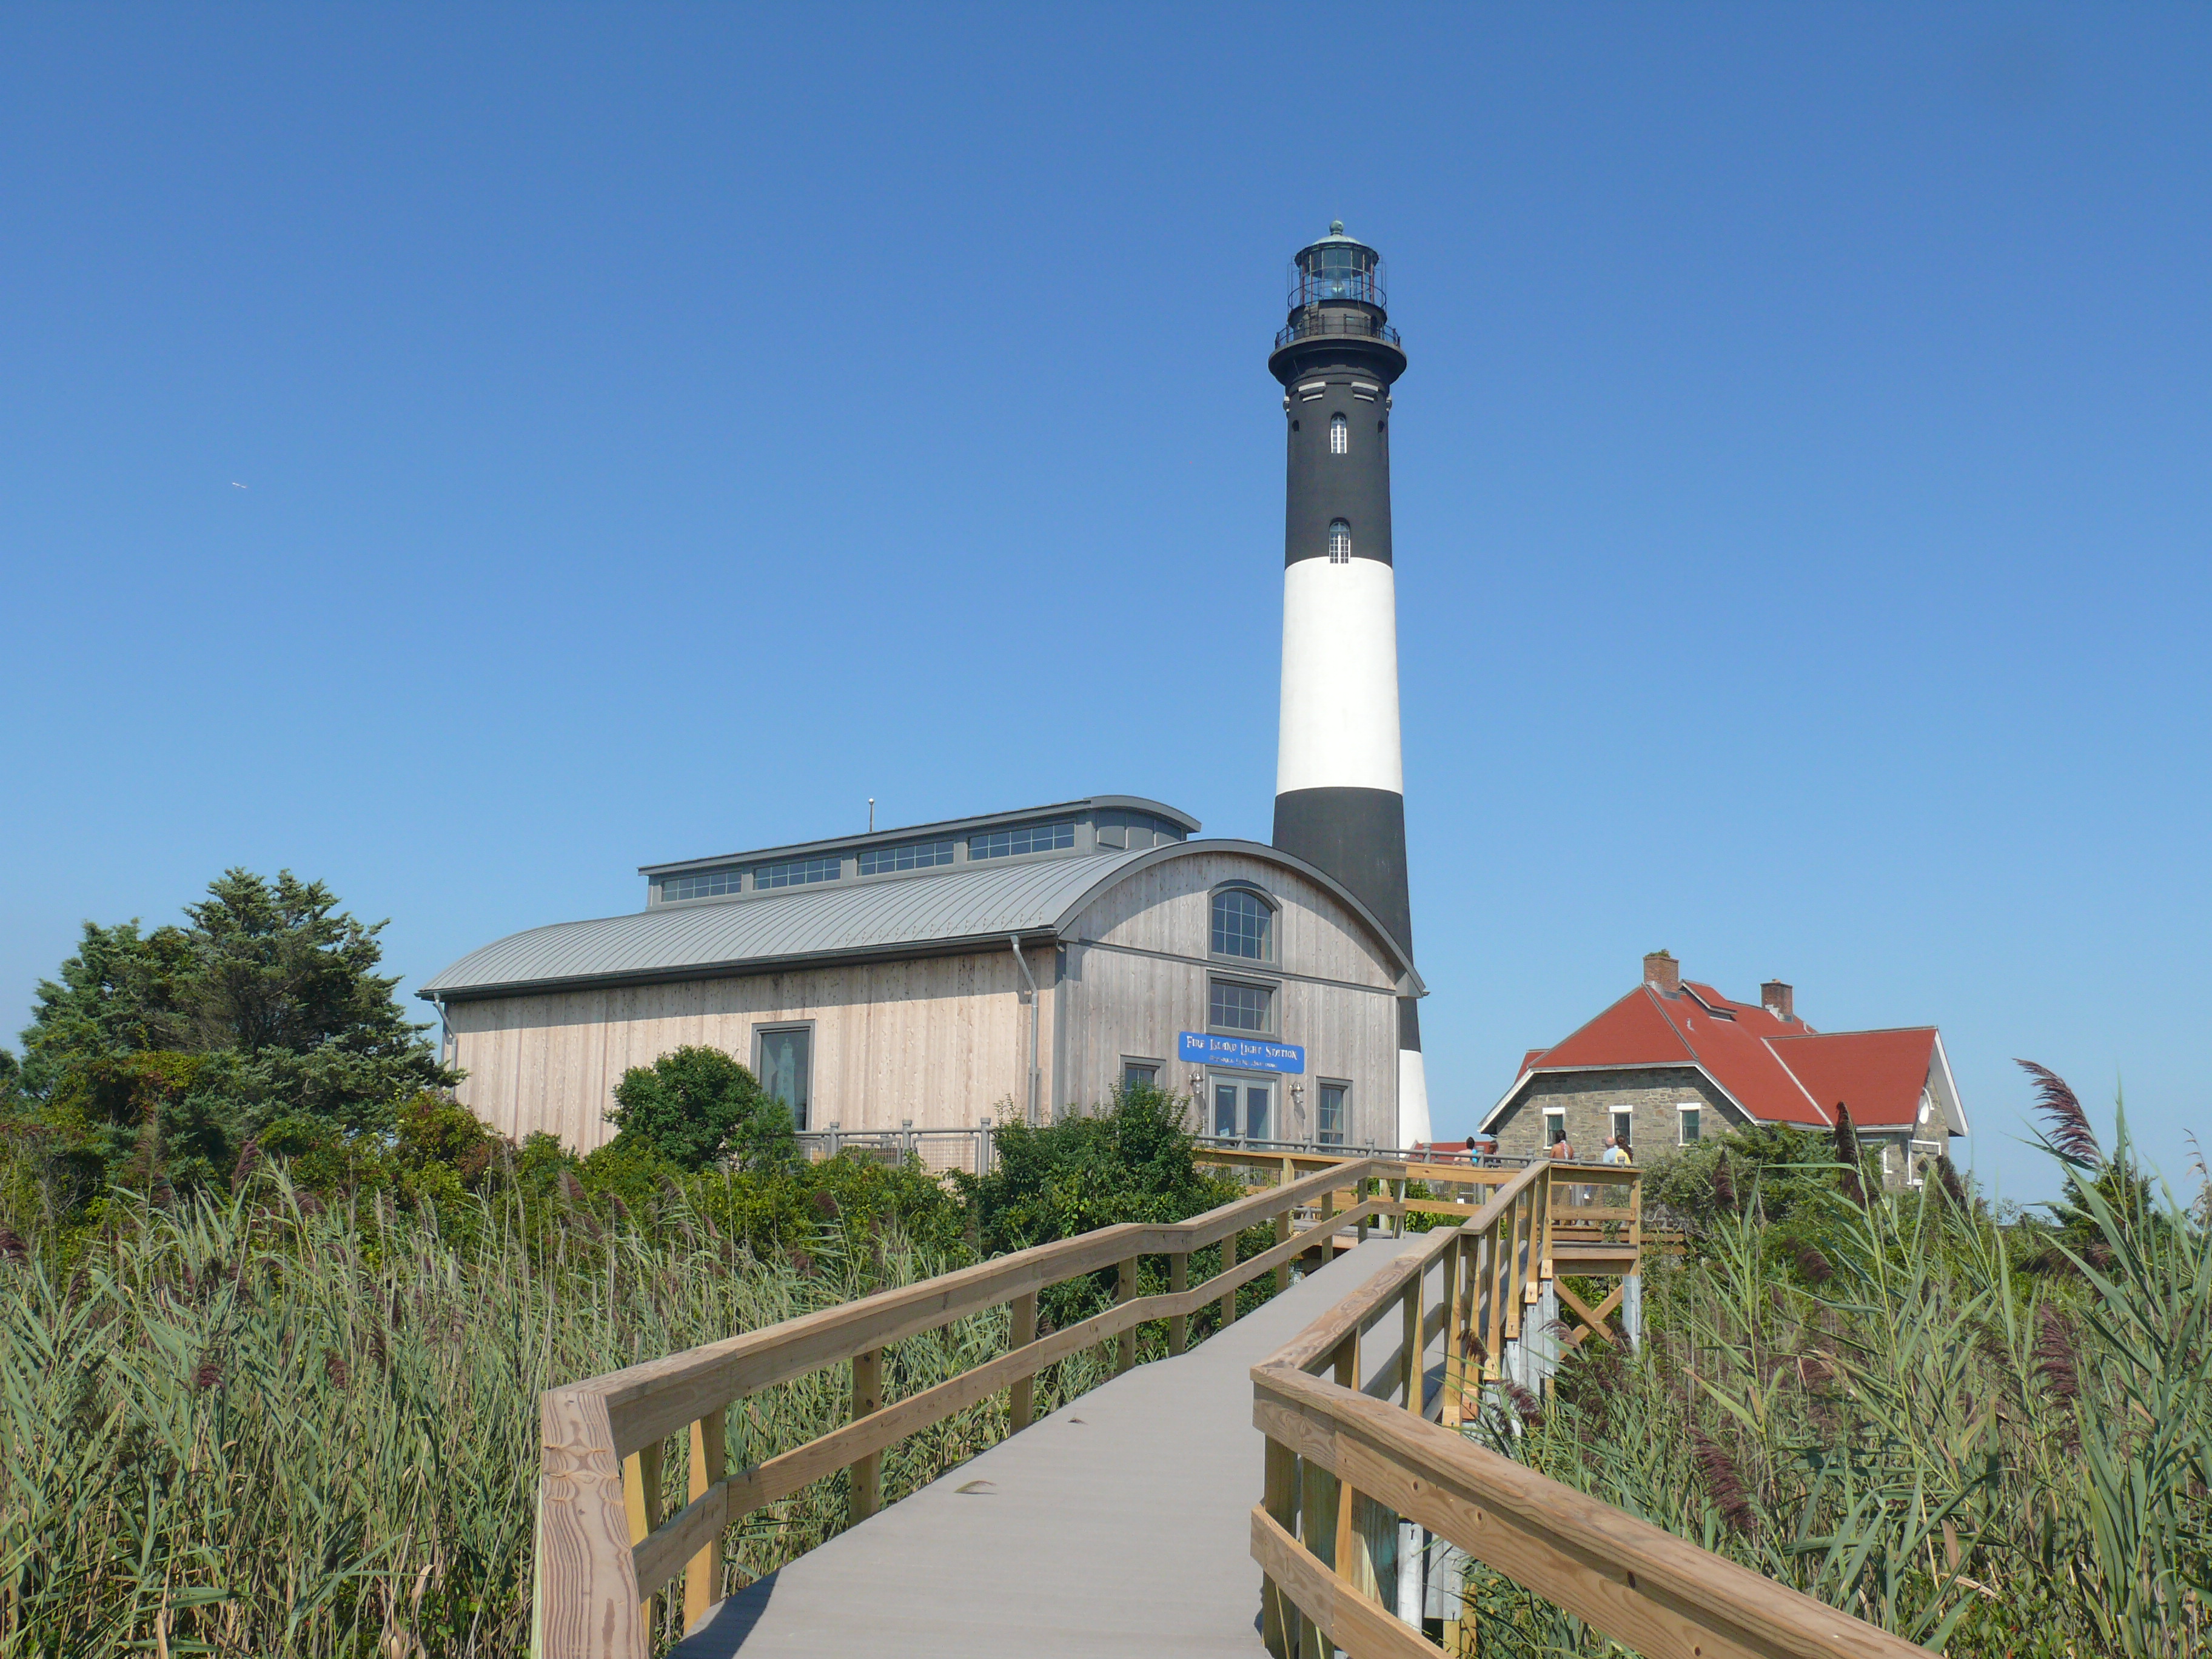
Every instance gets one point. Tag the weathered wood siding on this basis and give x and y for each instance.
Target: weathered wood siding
(942, 1040)
(1136, 979)
(945, 1040)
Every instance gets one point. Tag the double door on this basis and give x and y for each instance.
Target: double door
(1243, 1108)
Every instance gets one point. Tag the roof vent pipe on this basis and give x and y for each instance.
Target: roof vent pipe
(1022, 963)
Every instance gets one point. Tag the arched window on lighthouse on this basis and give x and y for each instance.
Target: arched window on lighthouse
(1339, 542)
(1339, 435)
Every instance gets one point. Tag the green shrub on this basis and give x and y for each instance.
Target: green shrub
(697, 1106)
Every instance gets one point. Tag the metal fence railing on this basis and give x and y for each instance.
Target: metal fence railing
(940, 1150)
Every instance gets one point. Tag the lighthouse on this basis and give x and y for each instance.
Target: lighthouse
(1340, 781)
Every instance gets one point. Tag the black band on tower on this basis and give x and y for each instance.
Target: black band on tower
(1409, 1023)
(1358, 835)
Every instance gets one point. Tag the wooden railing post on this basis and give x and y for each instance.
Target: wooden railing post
(867, 1495)
(1229, 1296)
(1410, 1369)
(1351, 1555)
(1359, 1197)
(1021, 1394)
(1280, 1497)
(1126, 1291)
(710, 1463)
(641, 1497)
(1178, 1282)
(1283, 1228)
(1448, 1407)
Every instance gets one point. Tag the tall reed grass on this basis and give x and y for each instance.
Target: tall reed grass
(1894, 1417)
(251, 1424)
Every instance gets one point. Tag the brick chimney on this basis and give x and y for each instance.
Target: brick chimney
(1779, 1000)
(1660, 969)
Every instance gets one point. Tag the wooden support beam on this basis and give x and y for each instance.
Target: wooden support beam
(1410, 1368)
(710, 1467)
(641, 1497)
(1277, 1615)
(1592, 1319)
(1021, 1394)
(1125, 1291)
(867, 1494)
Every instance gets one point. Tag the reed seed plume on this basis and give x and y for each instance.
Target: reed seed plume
(2069, 1131)
(1723, 1184)
(1723, 1483)
(1954, 1187)
(1526, 1404)
(2054, 1354)
(1812, 1264)
(1847, 1154)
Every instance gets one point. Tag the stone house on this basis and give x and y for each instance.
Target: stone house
(1674, 1060)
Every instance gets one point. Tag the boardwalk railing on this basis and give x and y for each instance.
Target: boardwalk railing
(1347, 1464)
(603, 1547)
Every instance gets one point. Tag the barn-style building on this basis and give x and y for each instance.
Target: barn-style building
(1019, 964)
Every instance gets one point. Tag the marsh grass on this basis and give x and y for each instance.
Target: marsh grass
(249, 1423)
(1904, 1425)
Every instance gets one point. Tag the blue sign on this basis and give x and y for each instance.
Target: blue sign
(1254, 1054)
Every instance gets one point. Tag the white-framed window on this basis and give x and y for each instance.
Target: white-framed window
(1555, 1126)
(1339, 435)
(1690, 1122)
(1623, 1126)
(1339, 542)
(783, 1061)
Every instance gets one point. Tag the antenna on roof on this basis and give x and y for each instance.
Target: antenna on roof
(872, 815)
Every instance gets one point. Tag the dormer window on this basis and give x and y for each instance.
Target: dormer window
(1340, 435)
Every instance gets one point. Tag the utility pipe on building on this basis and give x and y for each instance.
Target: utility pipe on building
(1022, 963)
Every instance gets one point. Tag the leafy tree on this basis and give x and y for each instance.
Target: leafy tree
(157, 1057)
(696, 1106)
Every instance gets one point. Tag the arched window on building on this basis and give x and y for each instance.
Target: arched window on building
(1339, 542)
(1243, 925)
(1339, 435)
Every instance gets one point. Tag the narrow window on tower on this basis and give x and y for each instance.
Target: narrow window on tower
(1339, 435)
(1339, 542)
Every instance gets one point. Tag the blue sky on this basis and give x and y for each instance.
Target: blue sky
(661, 429)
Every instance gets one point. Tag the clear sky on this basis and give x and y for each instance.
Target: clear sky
(466, 454)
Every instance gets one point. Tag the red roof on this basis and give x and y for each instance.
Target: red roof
(1878, 1074)
(1779, 1071)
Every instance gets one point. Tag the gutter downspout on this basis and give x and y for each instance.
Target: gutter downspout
(1022, 963)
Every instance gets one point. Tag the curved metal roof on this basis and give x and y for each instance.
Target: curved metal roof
(967, 907)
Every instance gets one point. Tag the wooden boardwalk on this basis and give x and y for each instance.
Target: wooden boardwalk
(1117, 1525)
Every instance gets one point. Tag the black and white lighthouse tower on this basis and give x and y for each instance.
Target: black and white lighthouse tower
(1340, 783)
